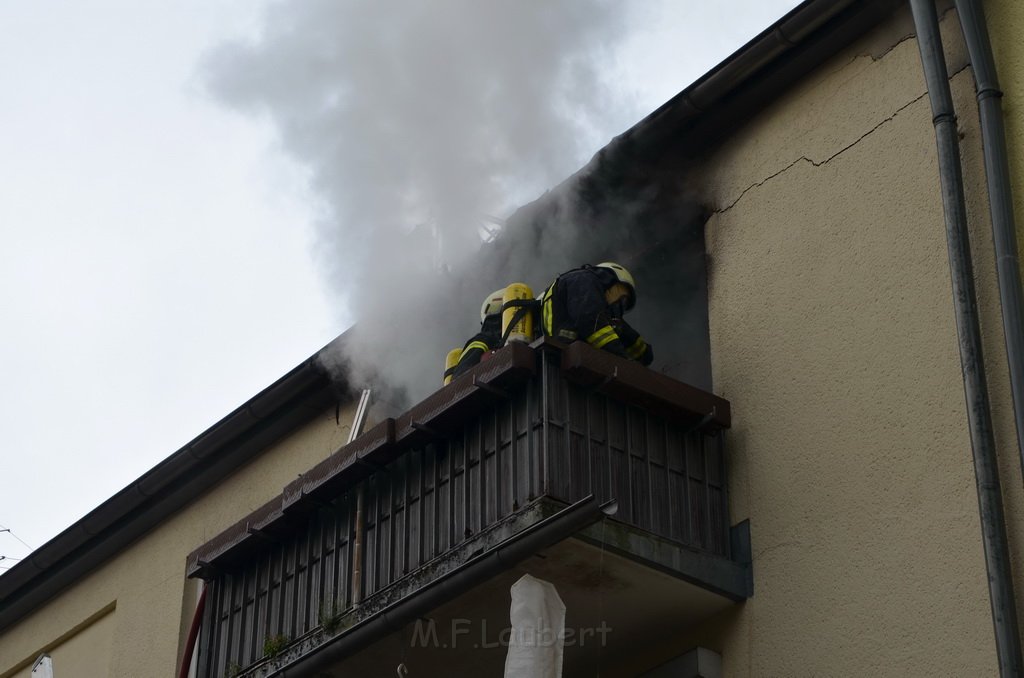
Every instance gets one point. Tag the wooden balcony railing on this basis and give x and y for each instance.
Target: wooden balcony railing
(465, 466)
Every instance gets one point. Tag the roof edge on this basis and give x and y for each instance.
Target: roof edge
(728, 94)
(174, 482)
(810, 33)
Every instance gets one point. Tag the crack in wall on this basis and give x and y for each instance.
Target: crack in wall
(805, 159)
(820, 163)
(775, 547)
(882, 55)
(910, 35)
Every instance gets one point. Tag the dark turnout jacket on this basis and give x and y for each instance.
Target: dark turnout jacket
(487, 339)
(574, 307)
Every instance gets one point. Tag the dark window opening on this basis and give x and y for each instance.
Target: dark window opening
(655, 232)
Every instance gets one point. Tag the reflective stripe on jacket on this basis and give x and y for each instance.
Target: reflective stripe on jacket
(488, 339)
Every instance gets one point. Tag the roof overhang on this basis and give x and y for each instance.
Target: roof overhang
(182, 477)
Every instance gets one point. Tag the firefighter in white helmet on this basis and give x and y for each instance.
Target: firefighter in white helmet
(588, 304)
(488, 338)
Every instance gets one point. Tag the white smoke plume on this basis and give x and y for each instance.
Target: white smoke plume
(415, 120)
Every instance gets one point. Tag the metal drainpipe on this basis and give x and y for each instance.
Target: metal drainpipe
(986, 471)
(1000, 199)
(360, 527)
(193, 635)
(357, 550)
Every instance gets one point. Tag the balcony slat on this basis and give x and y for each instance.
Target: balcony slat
(250, 595)
(373, 549)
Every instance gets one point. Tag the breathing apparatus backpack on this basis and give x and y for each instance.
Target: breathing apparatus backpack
(518, 321)
(518, 314)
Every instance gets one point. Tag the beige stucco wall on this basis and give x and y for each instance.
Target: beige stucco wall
(833, 334)
(1006, 24)
(84, 650)
(148, 601)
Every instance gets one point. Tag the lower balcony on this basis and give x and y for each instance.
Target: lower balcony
(593, 473)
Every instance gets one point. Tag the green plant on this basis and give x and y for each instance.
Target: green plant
(274, 645)
(233, 670)
(330, 617)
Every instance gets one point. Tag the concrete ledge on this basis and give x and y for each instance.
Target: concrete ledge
(716, 574)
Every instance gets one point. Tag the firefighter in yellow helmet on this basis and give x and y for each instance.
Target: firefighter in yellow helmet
(588, 304)
(489, 336)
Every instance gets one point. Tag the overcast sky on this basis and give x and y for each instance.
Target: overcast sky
(158, 263)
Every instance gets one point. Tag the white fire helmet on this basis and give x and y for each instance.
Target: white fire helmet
(492, 304)
(623, 277)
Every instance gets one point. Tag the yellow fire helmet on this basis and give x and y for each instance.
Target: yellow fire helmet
(492, 304)
(623, 277)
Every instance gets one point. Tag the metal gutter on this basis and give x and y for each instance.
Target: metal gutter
(757, 73)
(766, 47)
(972, 362)
(1000, 199)
(547, 532)
(195, 468)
